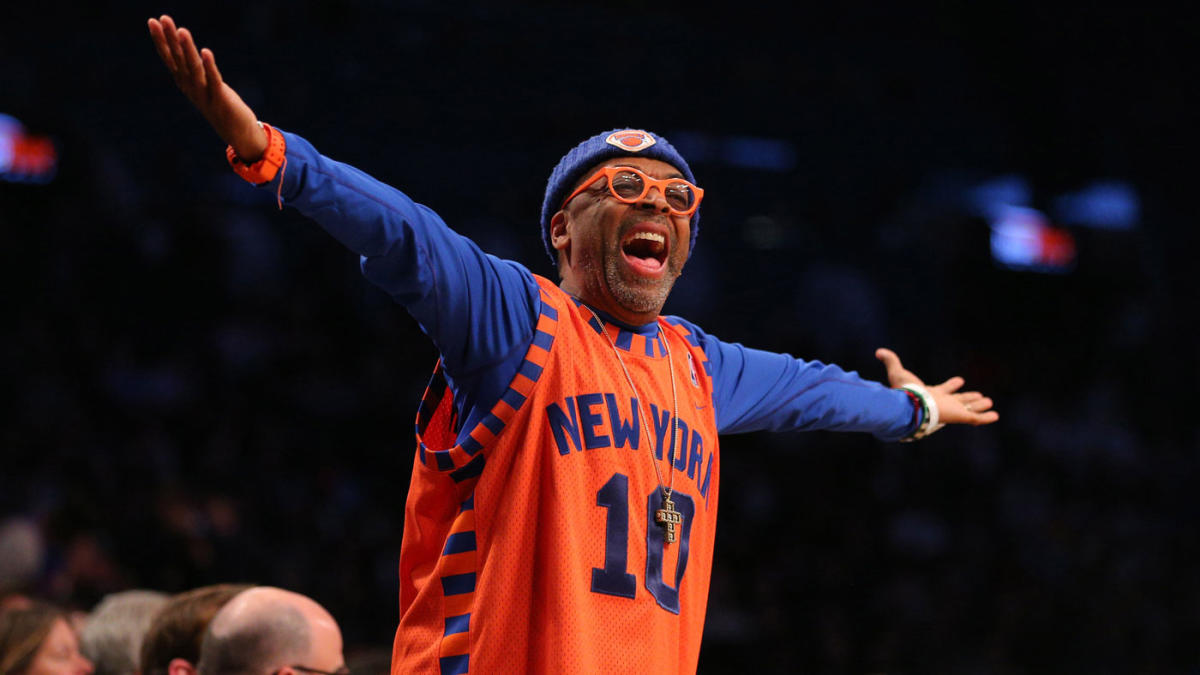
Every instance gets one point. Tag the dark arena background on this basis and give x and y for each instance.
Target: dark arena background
(199, 387)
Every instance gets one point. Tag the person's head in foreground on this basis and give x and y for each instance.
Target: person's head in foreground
(39, 640)
(270, 630)
(112, 637)
(172, 643)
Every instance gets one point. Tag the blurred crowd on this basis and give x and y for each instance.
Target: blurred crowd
(223, 628)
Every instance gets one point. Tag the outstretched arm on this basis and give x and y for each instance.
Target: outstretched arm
(954, 406)
(479, 311)
(196, 75)
(755, 390)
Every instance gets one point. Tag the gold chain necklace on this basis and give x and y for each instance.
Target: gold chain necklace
(666, 517)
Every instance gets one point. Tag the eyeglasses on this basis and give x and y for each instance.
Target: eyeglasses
(629, 185)
(305, 669)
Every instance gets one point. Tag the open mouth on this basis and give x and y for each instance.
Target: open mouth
(645, 251)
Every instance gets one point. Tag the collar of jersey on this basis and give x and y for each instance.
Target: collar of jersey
(625, 338)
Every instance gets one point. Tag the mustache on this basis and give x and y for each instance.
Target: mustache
(628, 224)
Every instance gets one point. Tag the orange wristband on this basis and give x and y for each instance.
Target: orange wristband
(264, 170)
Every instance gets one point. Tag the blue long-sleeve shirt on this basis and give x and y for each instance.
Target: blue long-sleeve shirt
(480, 312)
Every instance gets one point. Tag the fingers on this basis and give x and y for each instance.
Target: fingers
(172, 38)
(890, 361)
(952, 385)
(191, 58)
(968, 397)
(157, 34)
(973, 408)
(178, 52)
(897, 375)
(974, 401)
(985, 418)
(212, 76)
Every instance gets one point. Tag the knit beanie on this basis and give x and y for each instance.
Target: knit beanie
(615, 143)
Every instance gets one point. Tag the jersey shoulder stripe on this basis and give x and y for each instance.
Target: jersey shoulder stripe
(435, 415)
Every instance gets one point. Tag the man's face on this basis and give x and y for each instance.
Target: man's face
(622, 258)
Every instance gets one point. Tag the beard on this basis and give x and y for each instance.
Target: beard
(604, 279)
(635, 292)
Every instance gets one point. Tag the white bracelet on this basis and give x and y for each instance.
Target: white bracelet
(930, 424)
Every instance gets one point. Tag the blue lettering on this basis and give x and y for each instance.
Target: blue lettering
(561, 426)
(679, 459)
(622, 432)
(661, 425)
(707, 475)
(696, 454)
(590, 420)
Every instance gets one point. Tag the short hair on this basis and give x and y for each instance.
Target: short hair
(112, 636)
(22, 632)
(178, 629)
(269, 639)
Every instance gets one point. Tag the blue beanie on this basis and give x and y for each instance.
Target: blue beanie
(615, 143)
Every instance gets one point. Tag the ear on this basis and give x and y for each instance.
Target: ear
(180, 667)
(560, 235)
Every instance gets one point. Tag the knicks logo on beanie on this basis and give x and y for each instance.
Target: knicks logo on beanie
(630, 140)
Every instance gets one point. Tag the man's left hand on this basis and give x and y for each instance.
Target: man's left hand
(954, 406)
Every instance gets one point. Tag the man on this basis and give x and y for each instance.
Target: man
(270, 630)
(172, 643)
(562, 507)
(112, 636)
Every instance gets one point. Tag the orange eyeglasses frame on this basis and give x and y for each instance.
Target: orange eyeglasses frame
(647, 183)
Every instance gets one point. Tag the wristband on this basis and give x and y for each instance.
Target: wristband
(265, 169)
(929, 423)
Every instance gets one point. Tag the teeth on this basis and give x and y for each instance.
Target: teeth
(651, 236)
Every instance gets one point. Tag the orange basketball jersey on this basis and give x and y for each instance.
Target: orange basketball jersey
(532, 545)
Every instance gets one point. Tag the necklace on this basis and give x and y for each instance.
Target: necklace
(667, 517)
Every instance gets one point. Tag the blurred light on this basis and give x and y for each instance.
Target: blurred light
(1108, 205)
(744, 152)
(696, 147)
(25, 158)
(990, 198)
(767, 154)
(1022, 239)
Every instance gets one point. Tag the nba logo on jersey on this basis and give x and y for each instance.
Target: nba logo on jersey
(692, 368)
(630, 140)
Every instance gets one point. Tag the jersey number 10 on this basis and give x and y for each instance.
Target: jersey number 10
(613, 579)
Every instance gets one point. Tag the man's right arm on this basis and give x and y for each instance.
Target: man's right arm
(478, 309)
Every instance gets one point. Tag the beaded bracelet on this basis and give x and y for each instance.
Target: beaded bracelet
(929, 421)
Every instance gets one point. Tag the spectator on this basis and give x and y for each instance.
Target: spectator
(22, 554)
(270, 630)
(172, 643)
(39, 640)
(112, 637)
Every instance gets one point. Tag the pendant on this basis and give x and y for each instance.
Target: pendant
(668, 518)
